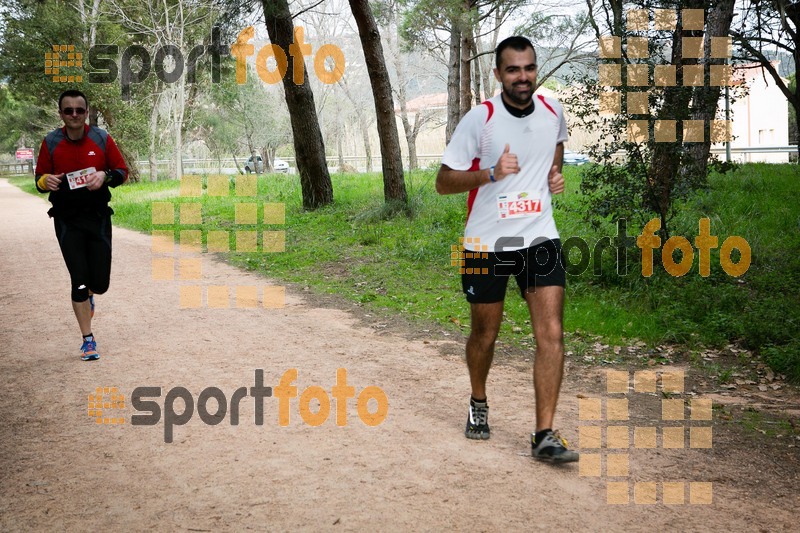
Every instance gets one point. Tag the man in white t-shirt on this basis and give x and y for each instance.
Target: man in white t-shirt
(507, 152)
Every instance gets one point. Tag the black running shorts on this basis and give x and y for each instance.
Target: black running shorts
(85, 242)
(486, 274)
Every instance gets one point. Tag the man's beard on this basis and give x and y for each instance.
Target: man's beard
(514, 98)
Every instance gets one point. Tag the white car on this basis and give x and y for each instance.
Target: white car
(574, 158)
(279, 165)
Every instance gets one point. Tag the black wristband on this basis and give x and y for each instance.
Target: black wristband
(114, 178)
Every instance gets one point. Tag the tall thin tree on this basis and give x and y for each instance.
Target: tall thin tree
(315, 180)
(394, 187)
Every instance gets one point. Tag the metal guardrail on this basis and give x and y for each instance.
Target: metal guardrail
(228, 166)
(11, 169)
(758, 150)
(790, 149)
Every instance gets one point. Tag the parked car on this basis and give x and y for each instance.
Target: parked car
(257, 166)
(574, 158)
(279, 165)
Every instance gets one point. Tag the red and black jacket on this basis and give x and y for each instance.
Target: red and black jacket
(95, 149)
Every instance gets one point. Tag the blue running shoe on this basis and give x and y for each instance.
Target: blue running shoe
(89, 351)
(91, 304)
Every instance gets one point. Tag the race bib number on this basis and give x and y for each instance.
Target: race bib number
(78, 178)
(518, 205)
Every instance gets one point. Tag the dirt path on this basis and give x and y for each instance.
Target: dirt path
(416, 471)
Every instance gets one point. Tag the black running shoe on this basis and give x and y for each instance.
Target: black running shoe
(552, 448)
(477, 421)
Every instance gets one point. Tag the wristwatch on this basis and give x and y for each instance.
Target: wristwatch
(491, 175)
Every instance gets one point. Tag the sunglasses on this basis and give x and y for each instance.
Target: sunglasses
(74, 110)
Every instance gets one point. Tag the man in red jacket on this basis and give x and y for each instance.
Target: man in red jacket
(77, 164)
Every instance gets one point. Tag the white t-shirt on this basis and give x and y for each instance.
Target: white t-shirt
(518, 208)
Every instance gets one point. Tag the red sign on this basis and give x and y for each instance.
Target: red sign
(24, 154)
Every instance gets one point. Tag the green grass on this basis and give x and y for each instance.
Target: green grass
(769, 425)
(360, 249)
(761, 310)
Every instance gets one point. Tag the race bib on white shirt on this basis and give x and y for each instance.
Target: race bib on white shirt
(78, 178)
(522, 204)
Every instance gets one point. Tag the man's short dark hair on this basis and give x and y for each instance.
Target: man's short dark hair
(515, 42)
(72, 93)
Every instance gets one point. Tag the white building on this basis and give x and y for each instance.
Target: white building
(760, 119)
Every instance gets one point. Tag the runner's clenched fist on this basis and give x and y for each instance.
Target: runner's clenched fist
(555, 180)
(507, 164)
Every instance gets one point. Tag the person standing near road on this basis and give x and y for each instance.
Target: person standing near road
(77, 164)
(508, 154)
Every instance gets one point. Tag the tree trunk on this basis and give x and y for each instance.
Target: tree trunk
(394, 187)
(238, 166)
(467, 48)
(486, 78)
(253, 156)
(151, 152)
(706, 98)
(178, 111)
(412, 150)
(488, 60)
(476, 83)
(402, 95)
(364, 127)
(453, 81)
(797, 129)
(268, 155)
(792, 13)
(339, 138)
(93, 27)
(616, 9)
(315, 180)
(412, 142)
(666, 156)
(130, 161)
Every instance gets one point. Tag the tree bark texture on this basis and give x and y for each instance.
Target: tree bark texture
(705, 99)
(453, 81)
(666, 156)
(315, 180)
(394, 188)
